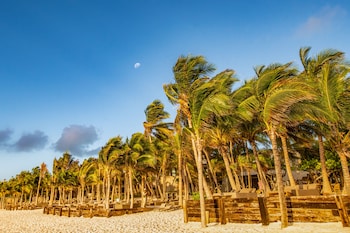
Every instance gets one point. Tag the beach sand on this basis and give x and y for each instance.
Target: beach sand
(28, 221)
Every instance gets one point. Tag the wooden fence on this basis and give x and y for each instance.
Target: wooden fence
(265, 210)
(90, 211)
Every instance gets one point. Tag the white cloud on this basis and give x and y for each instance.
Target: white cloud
(320, 22)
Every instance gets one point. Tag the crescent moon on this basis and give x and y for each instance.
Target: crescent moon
(137, 65)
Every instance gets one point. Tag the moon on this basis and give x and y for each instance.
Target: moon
(137, 65)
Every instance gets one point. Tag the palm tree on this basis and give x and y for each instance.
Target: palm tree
(202, 98)
(85, 170)
(189, 74)
(43, 171)
(219, 135)
(137, 156)
(277, 92)
(108, 157)
(154, 124)
(66, 168)
(326, 105)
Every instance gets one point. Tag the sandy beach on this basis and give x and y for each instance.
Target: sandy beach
(27, 221)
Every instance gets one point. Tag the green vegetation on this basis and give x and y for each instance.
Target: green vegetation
(281, 121)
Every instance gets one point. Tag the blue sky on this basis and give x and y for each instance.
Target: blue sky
(68, 81)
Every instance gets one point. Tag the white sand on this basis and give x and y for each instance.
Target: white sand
(28, 221)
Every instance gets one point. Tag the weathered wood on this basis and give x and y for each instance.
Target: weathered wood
(185, 209)
(251, 210)
(263, 211)
(222, 217)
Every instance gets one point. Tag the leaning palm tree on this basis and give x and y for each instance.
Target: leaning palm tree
(189, 74)
(277, 93)
(43, 171)
(219, 136)
(107, 158)
(208, 100)
(336, 85)
(155, 116)
(313, 73)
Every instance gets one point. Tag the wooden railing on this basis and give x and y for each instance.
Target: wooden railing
(90, 211)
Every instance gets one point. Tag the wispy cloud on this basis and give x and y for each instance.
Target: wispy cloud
(320, 22)
(76, 139)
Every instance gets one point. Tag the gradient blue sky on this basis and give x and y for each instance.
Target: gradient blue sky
(68, 81)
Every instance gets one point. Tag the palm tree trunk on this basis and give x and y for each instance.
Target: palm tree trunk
(98, 191)
(190, 181)
(107, 190)
(186, 185)
(119, 188)
(180, 179)
(82, 190)
(197, 154)
(213, 174)
(52, 195)
(228, 170)
(143, 192)
(126, 187)
(114, 188)
(261, 174)
(248, 167)
(200, 182)
(131, 189)
(287, 162)
(278, 169)
(326, 186)
(346, 174)
(37, 191)
(164, 163)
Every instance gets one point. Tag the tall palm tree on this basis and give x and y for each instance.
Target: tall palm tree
(326, 105)
(277, 92)
(189, 73)
(335, 84)
(43, 171)
(208, 100)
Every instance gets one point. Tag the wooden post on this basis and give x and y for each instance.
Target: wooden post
(222, 216)
(91, 212)
(185, 212)
(60, 211)
(265, 220)
(343, 213)
(207, 217)
(68, 212)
